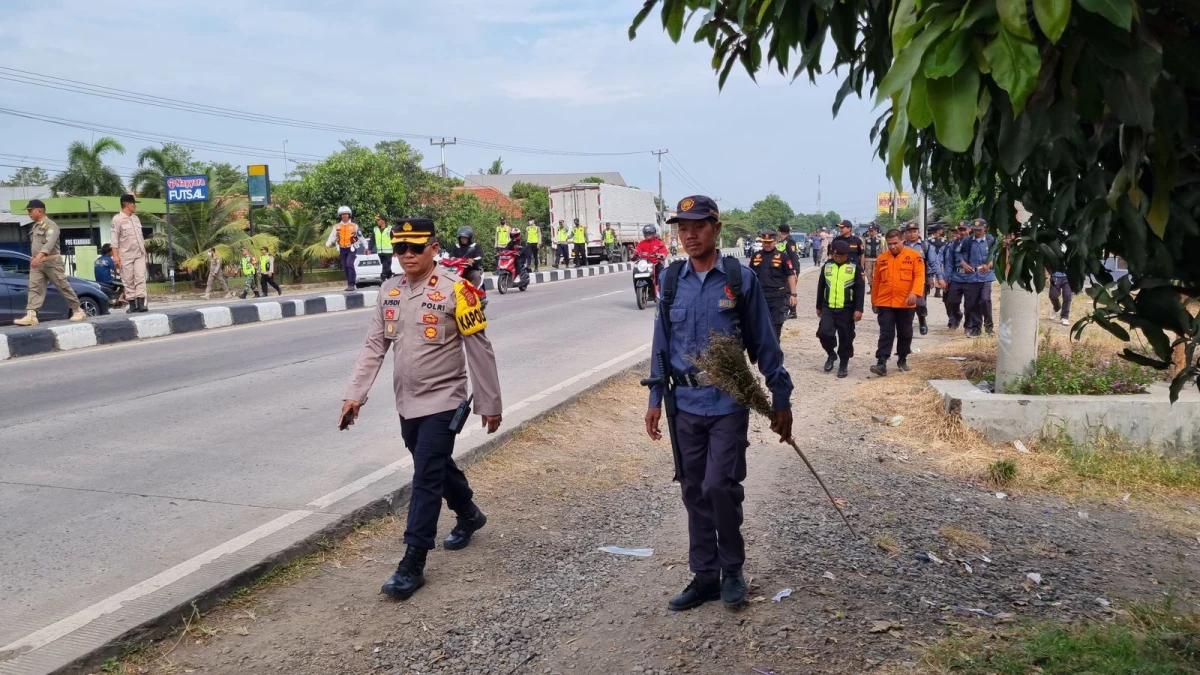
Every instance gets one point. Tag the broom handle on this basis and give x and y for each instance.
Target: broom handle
(818, 477)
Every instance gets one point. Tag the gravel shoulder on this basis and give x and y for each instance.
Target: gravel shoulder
(532, 594)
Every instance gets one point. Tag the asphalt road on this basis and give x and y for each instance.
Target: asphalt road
(117, 463)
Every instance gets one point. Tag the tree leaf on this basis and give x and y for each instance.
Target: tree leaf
(1129, 354)
(948, 55)
(1014, 17)
(897, 143)
(672, 12)
(1052, 17)
(1166, 169)
(904, 24)
(909, 60)
(952, 100)
(919, 114)
(641, 16)
(1119, 12)
(1015, 65)
(762, 11)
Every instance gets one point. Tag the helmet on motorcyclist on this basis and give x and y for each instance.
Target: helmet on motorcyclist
(466, 233)
(648, 231)
(344, 209)
(514, 232)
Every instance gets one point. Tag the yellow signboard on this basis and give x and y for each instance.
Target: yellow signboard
(884, 200)
(257, 169)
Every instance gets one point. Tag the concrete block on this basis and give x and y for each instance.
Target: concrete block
(243, 314)
(312, 306)
(4, 347)
(216, 317)
(269, 311)
(30, 341)
(186, 321)
(112, 332)
(74, 336)
(335, 303)
(151, 325)
(1146, 419)
(370, 298)
(292, 308)
(354, 300)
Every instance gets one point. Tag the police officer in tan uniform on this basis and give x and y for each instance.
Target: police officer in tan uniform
(434, 324)
(46, 264)
(129, 252)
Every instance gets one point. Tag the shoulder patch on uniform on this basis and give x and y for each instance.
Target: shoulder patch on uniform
(468, 311)
(436, 296)
(729, 293)
(394, 292)
(433, 280)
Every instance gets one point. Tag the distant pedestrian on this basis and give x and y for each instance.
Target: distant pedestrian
(533, 242)
(579, 243)
(853, 243)
(381, 240)
(976, 259)
(266, 271)
(952, 284)
(216, 273)
(933, 257)
(818, 249)
(840, 293)
(561, 248)
(872, 246)
(899, 282)
(347, 236)
(777, 277)
(129, 252)
(788, 246)
(502, 234)
(46, 265)
(610, 242)
(1061, 294)
(912, 240)
(248, 270)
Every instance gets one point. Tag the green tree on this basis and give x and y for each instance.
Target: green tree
(464, 209)
(227, 179)
(887, 221)
(198, 226)
(809, 222)
(1083, 112)
(535, 202)
(737, 223)
(155, 164)
(496, 169)
(591, 179)
(86, 173)
(300, 238)
(369, 182)
(27, 176)
(770, 212)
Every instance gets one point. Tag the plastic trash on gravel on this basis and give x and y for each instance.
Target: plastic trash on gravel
(781, 595)
(636, 552)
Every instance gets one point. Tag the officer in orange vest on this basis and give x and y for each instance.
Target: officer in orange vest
(345, 233)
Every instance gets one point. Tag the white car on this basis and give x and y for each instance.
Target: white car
(369, 270)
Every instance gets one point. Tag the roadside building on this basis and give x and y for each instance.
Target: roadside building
(84, 222)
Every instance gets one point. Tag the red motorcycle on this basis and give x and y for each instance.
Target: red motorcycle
(506, 272)
(645, 281)
(459, 267)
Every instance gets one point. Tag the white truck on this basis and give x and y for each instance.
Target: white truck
(596, 204)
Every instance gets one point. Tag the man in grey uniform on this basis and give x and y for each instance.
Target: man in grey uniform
(47, 264)
(434, 324)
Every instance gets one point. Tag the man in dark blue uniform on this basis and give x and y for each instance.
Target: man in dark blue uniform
(777, 277)
(704, 294)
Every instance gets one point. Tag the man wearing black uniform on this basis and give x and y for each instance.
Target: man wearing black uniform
(933, 257)
(853, 243)
(872, 246)
(777, 276)
(839, 306)
(467, 248)
(789, 247)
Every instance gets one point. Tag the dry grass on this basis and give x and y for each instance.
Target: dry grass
(887, 543)
(965, 539)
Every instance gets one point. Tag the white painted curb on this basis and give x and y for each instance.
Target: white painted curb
(298, 305)
(4, 353)
(151, 325)
(269, 311)
(335, 303)
(216, 317)
(370, 298)
(74, 336)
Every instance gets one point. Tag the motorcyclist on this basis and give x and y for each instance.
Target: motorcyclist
(105, 272)
(516, 244)
(652, 248)
(467, 248)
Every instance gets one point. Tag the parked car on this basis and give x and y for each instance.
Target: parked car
(14, 292)
(369, 269)
(803, 245)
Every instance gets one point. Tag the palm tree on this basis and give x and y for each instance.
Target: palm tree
(300, 234)
(496, 169)
(86, 173)
(155, 164)
(199, 226)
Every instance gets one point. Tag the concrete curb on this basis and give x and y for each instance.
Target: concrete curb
(114, 329)
(146, 619)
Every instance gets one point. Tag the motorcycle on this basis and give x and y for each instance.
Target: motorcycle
(506, 271)
(459, 267)
(645, 282)
(115, 292)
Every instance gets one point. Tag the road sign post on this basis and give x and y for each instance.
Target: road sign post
(181, 190)
(258, 183)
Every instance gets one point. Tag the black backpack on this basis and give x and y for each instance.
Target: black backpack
(733, 273)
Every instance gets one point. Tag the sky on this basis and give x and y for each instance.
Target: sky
(527, 73)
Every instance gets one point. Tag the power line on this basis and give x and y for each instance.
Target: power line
(679, 165)
(78, 87)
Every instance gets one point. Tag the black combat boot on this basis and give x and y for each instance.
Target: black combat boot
(829, 362)
(733, 588)
(133, 306)
(844, 368)
(700, 591)
(468, 524)
(902, 365)
(409, 576)
(880, 368)
(142, 305)
(924, 326)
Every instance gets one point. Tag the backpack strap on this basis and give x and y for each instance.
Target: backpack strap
(670, 283)
(733, 277)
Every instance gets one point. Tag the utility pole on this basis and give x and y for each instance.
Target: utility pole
(443, 143)
(662, 206)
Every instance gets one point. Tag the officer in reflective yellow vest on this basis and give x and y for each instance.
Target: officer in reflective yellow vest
(579, 239)
(266, 267)
(610, 241)
(502, 233)
(840, 291)
(533, 239)
(560, 244)
(248, 271)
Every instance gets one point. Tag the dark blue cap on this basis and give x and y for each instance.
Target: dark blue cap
(696, 207)
(35, 204)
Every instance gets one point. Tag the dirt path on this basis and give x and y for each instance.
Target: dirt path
(532, 594)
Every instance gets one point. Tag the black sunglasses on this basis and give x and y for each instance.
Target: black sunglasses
(403, 248)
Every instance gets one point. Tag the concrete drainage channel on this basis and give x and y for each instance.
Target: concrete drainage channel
(154, 607)
(116, 328)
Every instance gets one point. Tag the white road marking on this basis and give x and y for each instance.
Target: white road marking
(64, 627)
(602, 295)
